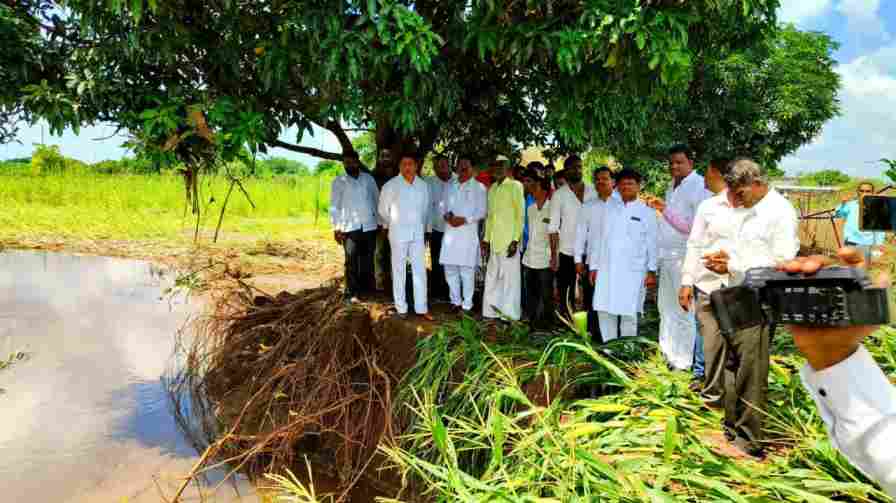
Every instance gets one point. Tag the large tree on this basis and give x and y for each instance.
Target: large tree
(473, 75)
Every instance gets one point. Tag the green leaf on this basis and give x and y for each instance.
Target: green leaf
(641, 40)
(137, 10)
(670, 443)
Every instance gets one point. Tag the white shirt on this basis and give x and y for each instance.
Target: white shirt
(460, 245)
(713, 230)
(565, 208)
(405, 208)
(858, 405)
(766, 234)
(592, 228)
(538, 251)
(437, 191)
(353, 203)
(626, 255)
(682, 201)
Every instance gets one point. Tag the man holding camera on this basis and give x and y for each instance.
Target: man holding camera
(856, 400)
(764, 233)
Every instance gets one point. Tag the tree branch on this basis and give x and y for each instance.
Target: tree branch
(314, 152)
(344, 141)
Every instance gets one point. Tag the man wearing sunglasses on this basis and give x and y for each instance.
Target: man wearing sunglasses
(849, 211)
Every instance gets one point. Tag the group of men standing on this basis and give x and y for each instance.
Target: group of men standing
(539, 239)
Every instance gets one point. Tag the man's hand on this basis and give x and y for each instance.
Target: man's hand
(555, 264)
(717, 262)
(685, 297)
(593, 277)
(580, 268)
(826, 347)
(339, 237)
(457, 221)
(657, 204)
(650, 280)
(511, 250)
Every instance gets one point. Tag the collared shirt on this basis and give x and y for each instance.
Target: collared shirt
(404, 208)
(538, 252)
(850, 212)
(504, 223)
(437, 191)
(565, 207)
(353, 203)
(713, 230)
(766, 234)
(592, 228)
(858, 405)
(681, 201)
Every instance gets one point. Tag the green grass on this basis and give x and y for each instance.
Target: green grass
(152, 207)
(645, 438)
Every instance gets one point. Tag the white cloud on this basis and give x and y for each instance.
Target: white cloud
(866, 130)
(862, 18)
(798, 11)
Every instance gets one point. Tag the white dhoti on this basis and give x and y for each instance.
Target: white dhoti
(503, 288)
(614, 326)
(678, 330)
(461, 284)
(402, 252)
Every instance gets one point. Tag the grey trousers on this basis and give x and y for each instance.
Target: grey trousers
(737, 372)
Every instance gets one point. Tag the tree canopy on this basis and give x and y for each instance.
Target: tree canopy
(471, 76)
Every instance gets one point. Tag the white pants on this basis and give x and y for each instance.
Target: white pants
(614, 326)
(678, 328)
(402, 251)
(503, 285)
(461, 278)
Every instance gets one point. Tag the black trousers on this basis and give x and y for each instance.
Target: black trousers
(438, 285)
(539, 301)
(566, 283)
(359, 248)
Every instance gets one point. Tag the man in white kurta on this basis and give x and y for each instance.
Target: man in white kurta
(503, 233)
(404, 209)
(438, 189)
(462, 208)
(627, 261)
(591, 232)
(678, 328)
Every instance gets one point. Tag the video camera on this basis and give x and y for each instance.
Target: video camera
(832, 297)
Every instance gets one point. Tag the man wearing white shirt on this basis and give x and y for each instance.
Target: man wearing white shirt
(626, 260)
(404, 209)
(438, 187)
(566, 203)
(765, 234)
(353, 215)
(855, 398)
(462, 208)
(685, 193)
(538, 276)
(591, 233)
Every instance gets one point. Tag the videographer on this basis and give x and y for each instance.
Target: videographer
(763, 233)
(856, 400)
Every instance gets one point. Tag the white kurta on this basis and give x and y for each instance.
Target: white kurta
(438, 191)
(628, 252)
(460, 245)
(678, 328)
(405, 209)
(591, 229)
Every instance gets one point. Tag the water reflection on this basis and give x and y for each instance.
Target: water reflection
(89, 408)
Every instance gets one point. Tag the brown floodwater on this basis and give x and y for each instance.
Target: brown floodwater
(86, 416)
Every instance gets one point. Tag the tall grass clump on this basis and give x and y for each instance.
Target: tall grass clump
(486, 439)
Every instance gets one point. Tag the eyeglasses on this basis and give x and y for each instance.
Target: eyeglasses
(866, 191)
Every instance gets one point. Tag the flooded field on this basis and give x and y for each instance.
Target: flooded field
(86, 416)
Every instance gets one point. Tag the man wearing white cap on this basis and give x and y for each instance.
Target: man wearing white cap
(503, 232)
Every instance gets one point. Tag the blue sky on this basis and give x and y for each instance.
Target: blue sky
(865, 132)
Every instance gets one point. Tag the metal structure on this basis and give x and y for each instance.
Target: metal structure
(805, 200)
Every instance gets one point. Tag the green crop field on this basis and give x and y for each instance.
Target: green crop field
(88, 205)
